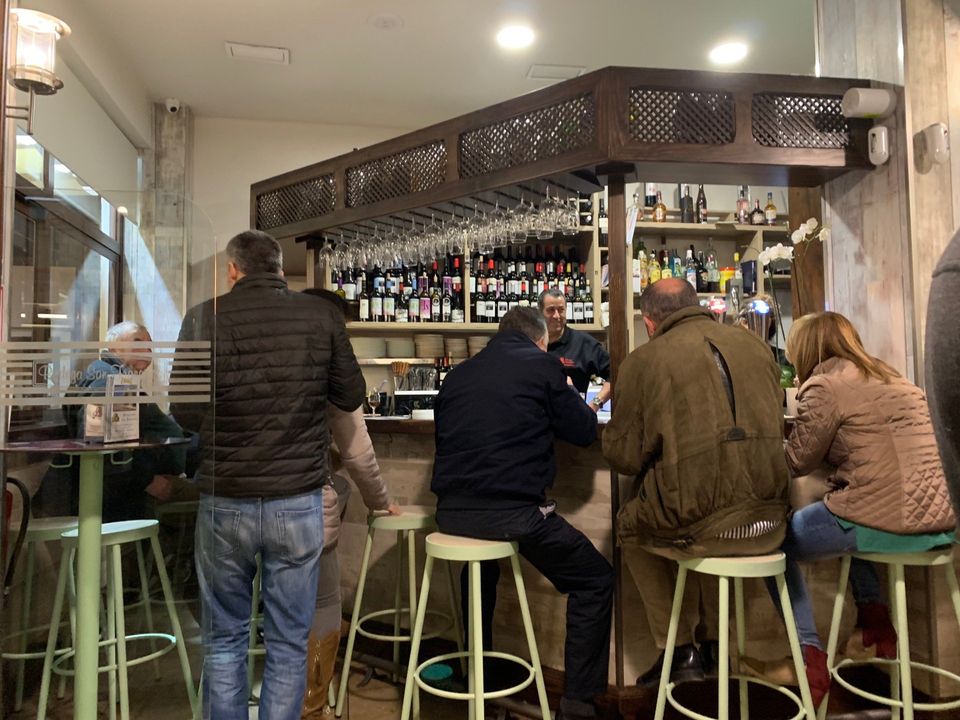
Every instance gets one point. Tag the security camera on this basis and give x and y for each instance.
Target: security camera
(172, 105)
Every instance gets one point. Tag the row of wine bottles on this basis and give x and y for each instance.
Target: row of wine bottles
(692, 210)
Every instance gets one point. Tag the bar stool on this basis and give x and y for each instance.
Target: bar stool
(471, 551)
(901, 682)
(113, 536)
(410, 521)
(737, 568)
(39, 530)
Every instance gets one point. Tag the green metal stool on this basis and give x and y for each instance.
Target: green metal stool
(737, 568)
(113, 536)
(410, 521)
(471, 551)
(901, 681)
(39, 530)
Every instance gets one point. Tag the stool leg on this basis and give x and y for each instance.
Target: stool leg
(26, 602)
(835, 619)
(792, 636)
(954, 589)
(741, 646)
(352, 634)
(71, 612)
(412, 589)
(145, 599)
(723, 668)
(416, 633)
(397, 591)
(120, 624)
(531, 640)
(175, 624)
(476, 641)
(671, 642)
(112, 638)
(252, 643)
(456, 615)
(52, 639)
(895, 693)
(903, 642)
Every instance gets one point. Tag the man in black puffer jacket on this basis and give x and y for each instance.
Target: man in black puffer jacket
(279, 358)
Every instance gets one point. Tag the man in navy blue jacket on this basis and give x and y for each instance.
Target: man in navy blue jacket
(497, 416)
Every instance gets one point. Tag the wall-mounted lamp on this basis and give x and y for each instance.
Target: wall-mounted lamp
(35, 36)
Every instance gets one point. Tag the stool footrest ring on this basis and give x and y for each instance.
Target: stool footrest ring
(70, 652)
(451, 695)
(390, 612)
(697, 716)
(890, 702)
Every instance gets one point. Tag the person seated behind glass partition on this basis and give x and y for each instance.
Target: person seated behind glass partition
(132, 482)
(871, 427)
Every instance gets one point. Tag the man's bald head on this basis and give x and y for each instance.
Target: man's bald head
(665, 297)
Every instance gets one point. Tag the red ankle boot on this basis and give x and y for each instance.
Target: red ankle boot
(818, 676)
(874, 620)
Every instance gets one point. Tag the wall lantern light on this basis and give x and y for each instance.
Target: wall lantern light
(34, 36)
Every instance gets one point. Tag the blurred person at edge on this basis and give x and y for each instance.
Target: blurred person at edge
(942, 358)
(351, 450)
(886, 492)
(704, 438)
(280, 358)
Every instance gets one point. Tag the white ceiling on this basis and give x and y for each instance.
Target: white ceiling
(442, 62)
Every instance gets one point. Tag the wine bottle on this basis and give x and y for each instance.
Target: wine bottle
(588, 305)
(686, 205)
(376, 303)
(756, 215)
(364, 305)
(701, 213)
(401, 307)
(649, 194)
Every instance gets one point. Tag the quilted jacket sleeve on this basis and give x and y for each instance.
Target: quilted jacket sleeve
(346, 386)
(818, 419)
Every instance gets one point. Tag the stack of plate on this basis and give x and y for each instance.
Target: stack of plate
(456, 348)
(369, 347)
(428, 346)
(400, 348)
(476, 343)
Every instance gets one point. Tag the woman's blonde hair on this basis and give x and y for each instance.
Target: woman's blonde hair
(824, 335)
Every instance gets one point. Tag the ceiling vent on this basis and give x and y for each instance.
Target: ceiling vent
(555, 72)
(259, 53)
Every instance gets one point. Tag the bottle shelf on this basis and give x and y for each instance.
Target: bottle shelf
(415, 328)
(719, 229)
(389, 361)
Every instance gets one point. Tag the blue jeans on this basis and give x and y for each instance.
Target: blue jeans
(287, 532)
(815, 534)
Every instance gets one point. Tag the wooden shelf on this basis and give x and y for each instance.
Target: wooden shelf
(418, 328)
(778, 278)
(390, 361)
(716, 229)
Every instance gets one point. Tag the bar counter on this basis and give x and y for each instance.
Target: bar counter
(405, 451)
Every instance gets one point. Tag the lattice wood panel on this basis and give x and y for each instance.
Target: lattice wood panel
(681, 116)
(410, 171)
(530, 137)
(799, 121)
(293, 203)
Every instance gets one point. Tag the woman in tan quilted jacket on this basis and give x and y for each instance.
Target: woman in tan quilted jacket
(869, 428)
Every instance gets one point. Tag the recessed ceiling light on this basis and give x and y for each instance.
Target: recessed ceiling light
(728, 53)
(515, 37)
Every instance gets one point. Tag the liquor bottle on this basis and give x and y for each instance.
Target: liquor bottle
(659, 210)
(737, 270)
(743, 205)
(653, 269)
(770, 211)
(340, 292)
(364, 305)
(639, 260)
(649, 194)
(376, 303)
(691, 269)
(666, 270)
(756, 215)
(702, 282)
(402, 307)
(676, 265)
(686, 205)
(713, 270)
(701, 212)
(588, 305)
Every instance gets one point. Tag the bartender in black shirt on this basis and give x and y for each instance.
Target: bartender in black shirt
(583, 357)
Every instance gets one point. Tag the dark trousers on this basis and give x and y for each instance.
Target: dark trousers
(570, 562)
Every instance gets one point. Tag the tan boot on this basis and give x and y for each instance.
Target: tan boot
(321, 660)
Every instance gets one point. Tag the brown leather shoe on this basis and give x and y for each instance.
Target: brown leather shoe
(321, 661)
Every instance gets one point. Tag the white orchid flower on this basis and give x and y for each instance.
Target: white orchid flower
(811, 225)
(798, 236)
(825, 234)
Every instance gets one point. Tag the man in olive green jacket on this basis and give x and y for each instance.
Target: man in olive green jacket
(698, 420)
